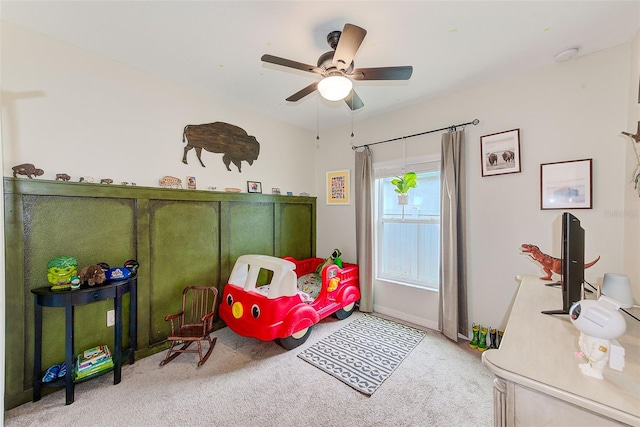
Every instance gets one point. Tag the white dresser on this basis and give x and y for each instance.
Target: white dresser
(538, 381)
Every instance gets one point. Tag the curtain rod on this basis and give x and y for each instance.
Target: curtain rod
(474, 122)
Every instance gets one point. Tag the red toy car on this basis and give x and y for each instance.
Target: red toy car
(296, 298)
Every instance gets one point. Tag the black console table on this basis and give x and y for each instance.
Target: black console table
(45, 297)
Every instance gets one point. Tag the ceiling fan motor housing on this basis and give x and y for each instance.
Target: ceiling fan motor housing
(332, 38)
(325, 62)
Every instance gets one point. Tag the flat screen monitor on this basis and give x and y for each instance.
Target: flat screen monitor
(572, 263)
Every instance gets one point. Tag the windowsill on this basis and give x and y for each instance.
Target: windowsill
(409, 285)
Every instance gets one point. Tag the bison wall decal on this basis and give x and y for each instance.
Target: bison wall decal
(219, 137)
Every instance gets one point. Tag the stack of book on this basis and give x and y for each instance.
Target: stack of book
(93, 361)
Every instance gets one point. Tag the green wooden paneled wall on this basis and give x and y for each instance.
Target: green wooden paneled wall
(179, 237)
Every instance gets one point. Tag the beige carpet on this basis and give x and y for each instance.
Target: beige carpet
(247, 382)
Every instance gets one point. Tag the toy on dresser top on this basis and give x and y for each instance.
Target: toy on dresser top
(548, 263)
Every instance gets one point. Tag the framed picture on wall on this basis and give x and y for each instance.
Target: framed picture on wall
(338, 187)
(566, 185)
(500, 153)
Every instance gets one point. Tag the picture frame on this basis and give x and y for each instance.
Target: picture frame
(254, 187)
(338, 185)
(275, 190)
(566, 185)
(500, 153)
(191, 182)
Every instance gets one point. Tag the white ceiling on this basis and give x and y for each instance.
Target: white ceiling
(215, 47)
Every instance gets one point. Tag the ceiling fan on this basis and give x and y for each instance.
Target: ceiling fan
(336, 68)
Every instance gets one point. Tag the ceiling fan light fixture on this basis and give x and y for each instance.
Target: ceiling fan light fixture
(335, 88)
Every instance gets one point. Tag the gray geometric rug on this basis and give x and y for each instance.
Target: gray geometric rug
(364, 352)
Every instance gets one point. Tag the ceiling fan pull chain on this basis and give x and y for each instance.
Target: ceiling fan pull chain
(317, 123)
(352, 121)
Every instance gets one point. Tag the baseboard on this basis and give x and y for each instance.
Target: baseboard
(407, 318)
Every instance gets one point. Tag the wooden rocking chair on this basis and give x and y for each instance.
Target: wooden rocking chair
(193, 323)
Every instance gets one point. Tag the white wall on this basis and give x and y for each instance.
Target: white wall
(632, 197)
(67, 110)
(568, 111)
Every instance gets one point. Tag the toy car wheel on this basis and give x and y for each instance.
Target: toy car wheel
(293, 341)
(345, 311)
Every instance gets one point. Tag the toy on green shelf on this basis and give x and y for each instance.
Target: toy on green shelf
(27, 169)
(60, 270)
(333, 259)
(75, 282)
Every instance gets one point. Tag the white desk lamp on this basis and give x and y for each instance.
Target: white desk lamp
(618, 287)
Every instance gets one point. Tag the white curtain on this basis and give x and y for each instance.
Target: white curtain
(453, 314)
(364, 226)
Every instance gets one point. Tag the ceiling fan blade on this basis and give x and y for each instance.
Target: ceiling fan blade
(303, 92)
(349, 43)
(382, 73)
(353, 100)
(291, 64)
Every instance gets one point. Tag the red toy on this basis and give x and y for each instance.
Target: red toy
(296, 299)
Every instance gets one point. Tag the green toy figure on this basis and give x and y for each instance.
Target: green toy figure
(60, 271)
(333, 259)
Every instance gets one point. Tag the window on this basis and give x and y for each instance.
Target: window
(408, 237)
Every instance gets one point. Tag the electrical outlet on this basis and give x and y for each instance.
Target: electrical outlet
(111, 318)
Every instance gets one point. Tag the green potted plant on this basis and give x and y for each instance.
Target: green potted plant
(403, 185)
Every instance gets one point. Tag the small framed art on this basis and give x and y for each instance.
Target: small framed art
(191, 182)
(254, 187)
(338, 187)
(566, 185)
(500, 153)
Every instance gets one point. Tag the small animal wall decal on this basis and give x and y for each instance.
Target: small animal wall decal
(62, 177)
(219, 137)
(27, 169)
